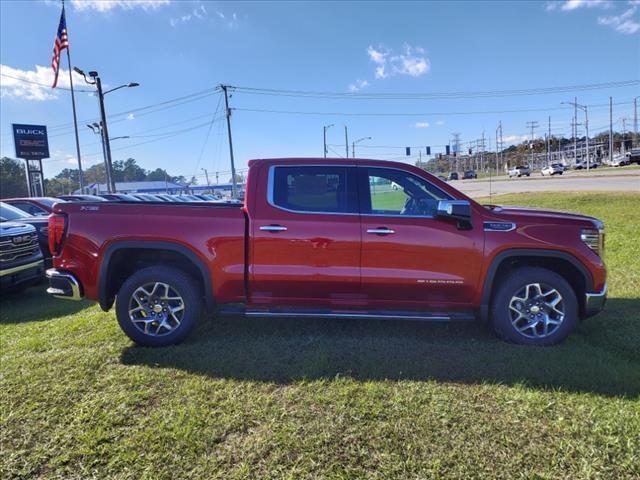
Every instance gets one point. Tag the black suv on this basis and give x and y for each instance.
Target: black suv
(21, 261)
(469, 174)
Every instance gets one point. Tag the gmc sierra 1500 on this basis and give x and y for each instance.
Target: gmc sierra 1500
(331, 238)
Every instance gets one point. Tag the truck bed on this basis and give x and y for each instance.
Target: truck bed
(212, 234)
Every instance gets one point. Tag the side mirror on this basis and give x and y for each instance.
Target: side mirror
(457, 209)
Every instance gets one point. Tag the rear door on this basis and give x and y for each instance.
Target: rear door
(305, 236)
(410, 258)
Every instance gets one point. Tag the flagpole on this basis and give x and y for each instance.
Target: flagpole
(75, 118)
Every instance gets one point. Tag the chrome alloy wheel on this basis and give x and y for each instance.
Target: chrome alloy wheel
(536, 310)
(156, 309)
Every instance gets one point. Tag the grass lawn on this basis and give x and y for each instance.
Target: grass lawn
(334, 399)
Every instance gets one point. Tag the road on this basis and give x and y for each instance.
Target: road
(606, 180)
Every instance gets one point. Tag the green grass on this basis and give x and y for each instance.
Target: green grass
(332, 399)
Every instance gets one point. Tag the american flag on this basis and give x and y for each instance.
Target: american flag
(61, 42)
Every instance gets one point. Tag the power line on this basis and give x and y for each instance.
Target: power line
(435, 95)
(406, 114)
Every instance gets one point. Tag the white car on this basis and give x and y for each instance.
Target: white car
(553, 169)
(619, 161)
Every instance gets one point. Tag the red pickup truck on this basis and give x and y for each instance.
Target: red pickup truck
(331, 238)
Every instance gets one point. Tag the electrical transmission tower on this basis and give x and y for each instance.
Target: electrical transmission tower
(532, 125)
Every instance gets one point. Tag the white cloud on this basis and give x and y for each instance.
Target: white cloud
(130, 116)
(230, 20)
(199, 13)
(412, 61)
(440, 122)
(109, 5)
(570, 5)
(624, 23)
(358, 85)
(34, 85)
(422, 125)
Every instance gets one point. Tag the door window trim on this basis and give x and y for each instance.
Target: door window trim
(271, 188)
(364, 184)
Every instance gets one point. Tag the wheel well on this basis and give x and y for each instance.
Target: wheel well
(124, 262)
(561, 266)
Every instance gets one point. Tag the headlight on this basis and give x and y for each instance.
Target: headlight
(594, 238)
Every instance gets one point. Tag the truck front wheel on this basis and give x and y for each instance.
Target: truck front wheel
(534, 306)
(158, 306)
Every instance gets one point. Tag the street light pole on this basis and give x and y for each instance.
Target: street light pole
(105, 134)
(111, 184)
(346, 142)
(324, 134)
(353, 145)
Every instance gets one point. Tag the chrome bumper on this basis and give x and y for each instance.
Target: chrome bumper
(63, 285)
(594, 302)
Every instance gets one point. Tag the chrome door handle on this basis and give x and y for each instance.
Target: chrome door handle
(381, 231)
(273, 228)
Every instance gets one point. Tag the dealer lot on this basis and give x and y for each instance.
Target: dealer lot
(309, 398)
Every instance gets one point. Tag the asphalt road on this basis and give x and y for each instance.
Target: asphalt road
(618, 180)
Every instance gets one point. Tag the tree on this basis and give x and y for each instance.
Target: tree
(95, 174)
(239, 178)
(13, 180)
(60, 186)
(158, 174)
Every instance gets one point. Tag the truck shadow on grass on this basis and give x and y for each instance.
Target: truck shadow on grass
(600, 357)
(34, 305)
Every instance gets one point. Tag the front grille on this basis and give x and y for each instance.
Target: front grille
(15, 247)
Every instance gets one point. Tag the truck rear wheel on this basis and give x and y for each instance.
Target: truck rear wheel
(534, 306)
(158, 306)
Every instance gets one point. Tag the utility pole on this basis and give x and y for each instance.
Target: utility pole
(346, 142)
(610, 130)
(234, 188)
(206, 174)
(549, 143)
(455, 145)
(532, 125)
(586, 126)
(498, 130)
(575, 129)
(217, 177)
(624, 135)
(635, 120)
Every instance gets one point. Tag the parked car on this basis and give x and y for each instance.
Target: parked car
(21, 262)
(633, 155)
(619, 161)
(582, 165)
(119, 197)
(553, 169)
(9, 213)
(313, 239)
(519, 171)
(443, 178)
(82, 198)
(38, 206)
(453, 176)
(469, 174)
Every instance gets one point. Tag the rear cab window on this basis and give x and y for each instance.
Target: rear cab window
(314, 189)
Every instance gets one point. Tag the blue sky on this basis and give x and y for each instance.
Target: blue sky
(177, 48)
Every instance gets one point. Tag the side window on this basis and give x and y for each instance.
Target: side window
(394, 192)
(29, 208)
(314, 189)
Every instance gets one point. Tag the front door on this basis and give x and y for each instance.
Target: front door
(410, 258)
(305, 237)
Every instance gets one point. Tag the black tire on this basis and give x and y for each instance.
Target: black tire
(515, 282)
(181, 283)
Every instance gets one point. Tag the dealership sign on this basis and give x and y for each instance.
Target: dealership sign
(31, 141)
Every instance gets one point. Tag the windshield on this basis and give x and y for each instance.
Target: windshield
(9, 212)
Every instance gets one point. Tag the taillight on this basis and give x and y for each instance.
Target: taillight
(57, 227)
